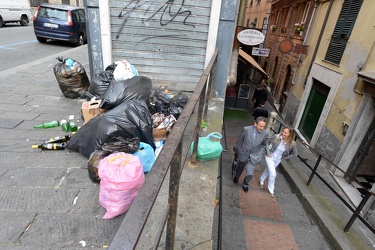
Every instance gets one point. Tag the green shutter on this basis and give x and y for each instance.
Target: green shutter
(343, 29)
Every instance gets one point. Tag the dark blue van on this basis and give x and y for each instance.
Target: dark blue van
(60, 22)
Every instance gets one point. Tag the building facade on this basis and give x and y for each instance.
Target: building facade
(322, 63)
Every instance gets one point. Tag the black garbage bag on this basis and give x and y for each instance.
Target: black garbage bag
(93, 164)
(72, 77)
(169, 103)
(127, 120)
(135, 88)
(119, 144)
(177, 104)
(101, 81)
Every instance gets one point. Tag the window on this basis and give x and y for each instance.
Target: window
(342, 31)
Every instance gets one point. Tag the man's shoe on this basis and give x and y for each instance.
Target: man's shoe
(245, 189)
(261, 185)
(235, 180)
(271, 194)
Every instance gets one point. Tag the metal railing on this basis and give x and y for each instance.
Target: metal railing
(355, 210)
(170, 159)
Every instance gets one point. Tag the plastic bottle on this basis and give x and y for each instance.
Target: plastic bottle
(51, 146)
(65, 125)
(50, 124)
(58, 139)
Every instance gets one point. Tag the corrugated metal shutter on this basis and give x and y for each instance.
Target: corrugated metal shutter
(164, 40)
(343, 29)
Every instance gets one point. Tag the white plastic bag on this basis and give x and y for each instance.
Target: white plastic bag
(121, 178)
(124, 70)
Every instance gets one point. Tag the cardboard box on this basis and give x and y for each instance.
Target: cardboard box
(91, 109)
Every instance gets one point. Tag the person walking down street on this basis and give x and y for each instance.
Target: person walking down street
(260, 94)
(249, 150)
(279, 147)
(260, 111)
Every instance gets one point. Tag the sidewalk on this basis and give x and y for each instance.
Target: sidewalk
(47, 198)
(299, 217)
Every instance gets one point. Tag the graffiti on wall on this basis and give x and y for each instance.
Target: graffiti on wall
(166, 13)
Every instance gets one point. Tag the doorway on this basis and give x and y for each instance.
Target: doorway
(362, 164)
(313, 109)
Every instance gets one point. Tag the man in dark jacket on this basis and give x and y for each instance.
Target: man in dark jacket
(260, 94)
(260, 111)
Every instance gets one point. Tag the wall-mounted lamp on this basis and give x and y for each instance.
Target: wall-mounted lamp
(345, 128)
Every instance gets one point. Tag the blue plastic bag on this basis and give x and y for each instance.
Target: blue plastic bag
(209, 147)
(146, 154)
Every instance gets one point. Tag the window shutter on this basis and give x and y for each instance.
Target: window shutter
(341, 33)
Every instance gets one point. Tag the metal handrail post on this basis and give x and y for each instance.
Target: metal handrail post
(198, 126)
(357, 211)
(313, 172)
(174, 180)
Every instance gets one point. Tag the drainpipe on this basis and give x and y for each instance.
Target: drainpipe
(319, 39)
(304, 41)
(232, 74)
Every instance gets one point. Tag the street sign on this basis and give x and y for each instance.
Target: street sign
(260, 52)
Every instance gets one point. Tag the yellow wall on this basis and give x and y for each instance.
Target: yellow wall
(359, 49)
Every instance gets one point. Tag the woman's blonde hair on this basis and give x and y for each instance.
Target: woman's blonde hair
(292, 134)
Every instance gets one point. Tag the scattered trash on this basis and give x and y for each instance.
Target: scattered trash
(124, 70)
(50, 146)
(50, 124)
(209, 147)
(146, 155)
(72, 78)
(135, 88)
(121, 178)
(83, 243)
(57, 139)
(127, 120)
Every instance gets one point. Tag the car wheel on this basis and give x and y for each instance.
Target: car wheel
(80, 41)
(41, 39)
(1, 22)
(24, 21)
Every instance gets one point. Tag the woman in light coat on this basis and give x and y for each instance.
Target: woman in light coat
(279, 147)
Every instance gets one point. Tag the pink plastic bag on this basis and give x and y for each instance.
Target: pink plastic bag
(121, 178)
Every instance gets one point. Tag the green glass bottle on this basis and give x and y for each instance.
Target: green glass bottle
(58, 139)
(50, 124)
(73, 127)
(51, 146)
(64, 125)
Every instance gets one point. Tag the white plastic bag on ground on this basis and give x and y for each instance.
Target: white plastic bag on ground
(124, 70)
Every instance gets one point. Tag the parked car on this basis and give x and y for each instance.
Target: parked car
(60, 22)
(15, 11)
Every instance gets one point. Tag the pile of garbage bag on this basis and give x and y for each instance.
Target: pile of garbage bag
(123, 140)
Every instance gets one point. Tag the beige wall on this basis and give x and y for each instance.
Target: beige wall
(258, 11)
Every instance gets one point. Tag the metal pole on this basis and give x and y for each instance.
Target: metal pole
(173, 196)
(357, 211)
(315, 168)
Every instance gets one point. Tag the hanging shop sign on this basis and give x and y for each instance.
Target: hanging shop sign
(250, 37)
